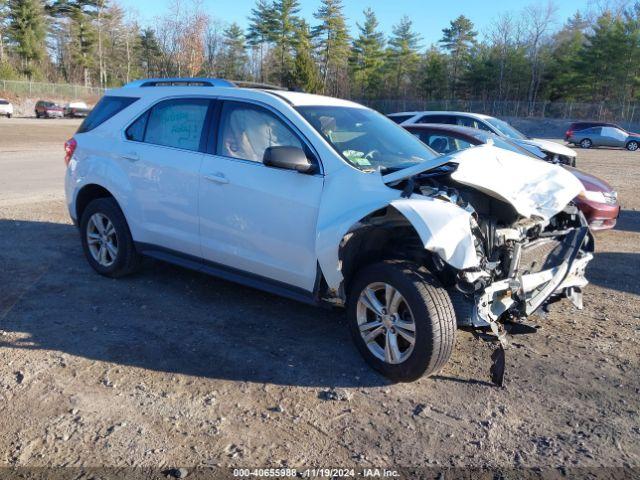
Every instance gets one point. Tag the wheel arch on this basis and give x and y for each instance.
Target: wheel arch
(87, 194)
(384, 234)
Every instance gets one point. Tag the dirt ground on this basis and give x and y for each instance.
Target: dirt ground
(173, 368)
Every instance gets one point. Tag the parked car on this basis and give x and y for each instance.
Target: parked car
(328, 202)
(76, 109)
(577, 126)
(6, 108)
(598, 202)
(553, 151)
(606, 137)
(47, 109)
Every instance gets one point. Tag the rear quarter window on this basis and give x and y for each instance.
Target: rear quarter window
(106, 108)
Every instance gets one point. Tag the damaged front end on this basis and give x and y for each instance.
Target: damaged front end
(530, 244)
(522, 262)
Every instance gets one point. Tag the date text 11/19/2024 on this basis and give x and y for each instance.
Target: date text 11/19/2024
(316, 472)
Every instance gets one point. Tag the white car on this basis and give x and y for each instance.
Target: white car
(551, 151)
(6, 108)
(328, 202)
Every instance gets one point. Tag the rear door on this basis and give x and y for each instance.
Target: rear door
(255, 218)
(163, 155)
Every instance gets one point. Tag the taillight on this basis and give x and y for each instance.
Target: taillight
(69, 147)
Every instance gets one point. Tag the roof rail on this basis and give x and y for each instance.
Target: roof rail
(177, 82)
(263, 86)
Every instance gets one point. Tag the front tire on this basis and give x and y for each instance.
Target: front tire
(632, 146)
(586, 143)
(401, 320)
(106, 239)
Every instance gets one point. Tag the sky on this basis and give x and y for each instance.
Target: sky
(429, 16)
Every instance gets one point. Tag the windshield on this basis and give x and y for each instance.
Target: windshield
(506, 129)
(367, 139)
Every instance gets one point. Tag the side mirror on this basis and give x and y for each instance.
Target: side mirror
(289, 158)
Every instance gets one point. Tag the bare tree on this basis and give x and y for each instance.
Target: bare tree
(539, 22)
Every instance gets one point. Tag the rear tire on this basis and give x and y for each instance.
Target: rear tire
(106, 239)
(424, 306)
(586, 143)
(632, 146)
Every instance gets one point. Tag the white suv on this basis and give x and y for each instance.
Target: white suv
(6, 108)
(328, 202)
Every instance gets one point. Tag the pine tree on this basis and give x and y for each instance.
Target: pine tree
(260, 31)
(569, 42)
(601, 60)
(84, 42)
(27, 32)
(434, 78)
(235, 57)
(333, 43)
(305, 75)
(403, 55)
(458, 40)
(283, 28)
(368, 56)
(150, 52)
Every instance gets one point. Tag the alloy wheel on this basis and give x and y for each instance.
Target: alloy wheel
(102, 239)
(386, 323)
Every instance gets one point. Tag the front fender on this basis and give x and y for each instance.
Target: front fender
(444, 228)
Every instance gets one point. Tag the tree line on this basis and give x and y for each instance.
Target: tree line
(524, 56)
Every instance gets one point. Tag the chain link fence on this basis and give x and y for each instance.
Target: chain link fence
(54, 90)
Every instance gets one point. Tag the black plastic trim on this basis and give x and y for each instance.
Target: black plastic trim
(227, 273)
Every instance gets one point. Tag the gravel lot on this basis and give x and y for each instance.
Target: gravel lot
(173, 368)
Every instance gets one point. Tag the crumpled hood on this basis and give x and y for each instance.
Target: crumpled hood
(548, 146)
(533, 187)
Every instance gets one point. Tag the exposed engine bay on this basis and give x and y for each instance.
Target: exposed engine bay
(524, 263)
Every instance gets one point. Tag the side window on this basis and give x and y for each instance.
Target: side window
(136, 130)
(593, 131)
(466, 122)
(614, 133)
(400, 118)
(462, 144)
(446, 119)
(247, 130)
(174, 123)
(482, 126)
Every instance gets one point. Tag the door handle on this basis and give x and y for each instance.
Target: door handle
(131, 156)
(217, 178)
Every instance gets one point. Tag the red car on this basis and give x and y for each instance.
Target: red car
(46, 109)
(598, 203)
